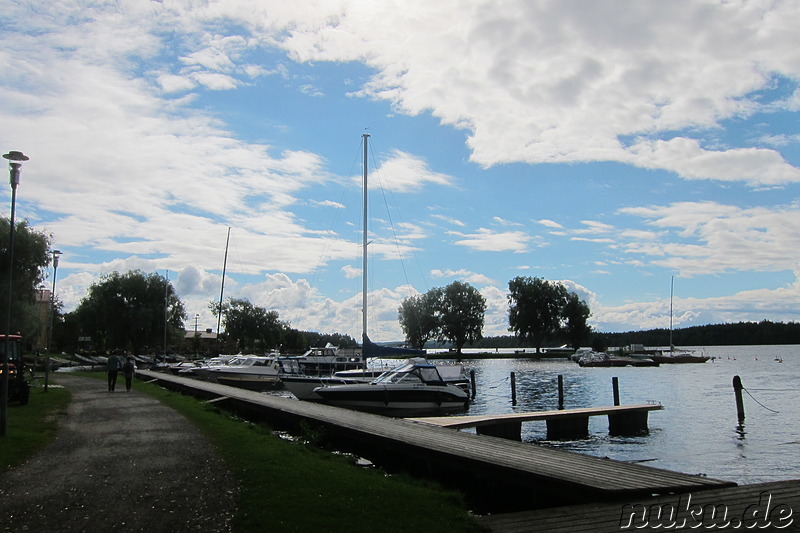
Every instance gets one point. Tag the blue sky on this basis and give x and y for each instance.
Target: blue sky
(608, 145)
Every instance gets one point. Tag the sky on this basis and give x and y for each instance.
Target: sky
(630, 150)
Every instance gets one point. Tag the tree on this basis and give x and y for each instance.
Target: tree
(249, 327)
(31, 258)
(127, 311)
(575, 316)
(460, 310)
(417, 315)
(535, 309)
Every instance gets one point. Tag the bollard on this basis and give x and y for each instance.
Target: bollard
(737, 389)
(560, 391)
(513, 387)
(615, 386)
(472, 382)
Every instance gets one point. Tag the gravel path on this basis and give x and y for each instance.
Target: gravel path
(121, 462)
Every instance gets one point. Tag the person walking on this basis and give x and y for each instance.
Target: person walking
(113, 367)
(128, 370)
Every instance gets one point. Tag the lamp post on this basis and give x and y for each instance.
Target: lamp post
(14, 163)
(56, 254)
(196, 338)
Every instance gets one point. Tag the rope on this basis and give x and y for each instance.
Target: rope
(759, 403)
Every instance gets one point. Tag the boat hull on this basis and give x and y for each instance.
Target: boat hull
(400, 401)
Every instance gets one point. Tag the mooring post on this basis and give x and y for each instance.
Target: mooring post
(737, 389)
(560, 391)
(513, 387)
(615, 386)
(472, 382)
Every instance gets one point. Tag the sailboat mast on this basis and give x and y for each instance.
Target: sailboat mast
(222, 285)
(671, 287)
(365, 136)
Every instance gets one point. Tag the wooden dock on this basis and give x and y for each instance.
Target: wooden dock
(561, 424)
(769, 506)
(496, 473)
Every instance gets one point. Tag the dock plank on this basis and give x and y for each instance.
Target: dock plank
(522, 464)
(768, 506)
(460, 422)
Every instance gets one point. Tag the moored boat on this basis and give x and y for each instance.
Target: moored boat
(252, 372)
(413, 388)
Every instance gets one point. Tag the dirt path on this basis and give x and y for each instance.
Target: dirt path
(121, 462)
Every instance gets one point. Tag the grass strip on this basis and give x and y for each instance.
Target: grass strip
(29, 428)
(291, 486)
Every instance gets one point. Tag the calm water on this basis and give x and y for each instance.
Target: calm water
(696, 433)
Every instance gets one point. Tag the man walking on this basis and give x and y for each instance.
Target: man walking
(113, 367)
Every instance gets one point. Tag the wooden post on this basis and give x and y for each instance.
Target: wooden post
(737, 389)
(513, 387)
(472, 382)
(615, 386)
(560, 391)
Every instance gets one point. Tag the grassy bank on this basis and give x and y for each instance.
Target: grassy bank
(290, 486)
(32, 427)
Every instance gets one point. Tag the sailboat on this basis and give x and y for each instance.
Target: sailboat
(415, 387)
(673, 355)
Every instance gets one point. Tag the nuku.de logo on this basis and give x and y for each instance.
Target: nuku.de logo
(685, 514)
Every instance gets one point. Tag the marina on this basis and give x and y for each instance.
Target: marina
(497, 474)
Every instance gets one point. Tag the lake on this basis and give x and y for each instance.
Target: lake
(697, 432)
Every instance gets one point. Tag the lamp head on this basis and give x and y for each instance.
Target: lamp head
(14, 157)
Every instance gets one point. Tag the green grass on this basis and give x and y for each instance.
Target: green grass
(31, 427)
(291, 486)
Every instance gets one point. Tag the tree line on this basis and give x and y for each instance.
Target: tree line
(539, 310)
(142, 313)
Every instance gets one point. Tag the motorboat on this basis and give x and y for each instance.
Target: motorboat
(302, 385)
(413, 388)
(603, 359)
(254, 372)
(673, 356)
(322, 361)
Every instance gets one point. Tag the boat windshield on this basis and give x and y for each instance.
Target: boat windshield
(411, 373)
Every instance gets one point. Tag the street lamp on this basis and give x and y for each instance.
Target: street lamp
(56, 254)
(14, 163)
(196, 338)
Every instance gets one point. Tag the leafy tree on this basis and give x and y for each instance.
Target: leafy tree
(127, 311)
(417, 315)
(535, 309)
(460, 310)
(575, 315)
(31, 258)
(249, 327)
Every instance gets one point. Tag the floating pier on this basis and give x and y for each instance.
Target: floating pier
(563, 424)
(496, 474)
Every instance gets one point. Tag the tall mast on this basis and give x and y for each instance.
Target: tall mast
(671, 287)
(222, 285)
(365, 136)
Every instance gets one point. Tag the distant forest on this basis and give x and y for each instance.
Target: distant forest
(741, 333)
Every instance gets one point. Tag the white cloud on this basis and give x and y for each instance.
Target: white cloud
(755, 166)
(487, 240)
(403, 172)
(549, 82)
(711, 238)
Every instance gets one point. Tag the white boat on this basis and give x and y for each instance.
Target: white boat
(302, 385)
(201, 368)
(323, 361)
(254, 372)
(413, 388)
